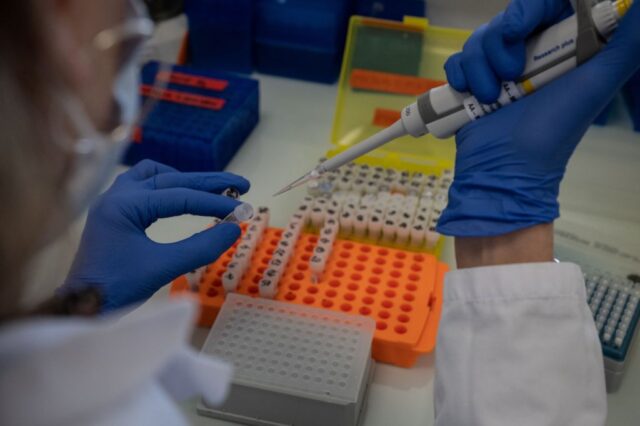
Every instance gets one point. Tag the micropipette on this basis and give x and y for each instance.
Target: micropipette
(442, 111)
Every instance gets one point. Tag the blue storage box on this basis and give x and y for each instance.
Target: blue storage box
(631, 93)
(301, 38)
(391, 9)
(221, 34)
(200, 121)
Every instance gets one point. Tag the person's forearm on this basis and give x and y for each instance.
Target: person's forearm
(528, 245)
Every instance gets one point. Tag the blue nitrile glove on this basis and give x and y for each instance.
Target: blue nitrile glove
(115, 253)
(509, 164)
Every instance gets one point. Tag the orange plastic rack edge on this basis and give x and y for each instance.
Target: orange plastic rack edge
(401, 290)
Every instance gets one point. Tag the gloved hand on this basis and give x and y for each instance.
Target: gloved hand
(509, 164)
(116, 255)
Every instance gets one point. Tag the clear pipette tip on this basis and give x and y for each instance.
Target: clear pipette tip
(313, 174)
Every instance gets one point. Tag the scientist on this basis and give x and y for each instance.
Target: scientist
(517, 343)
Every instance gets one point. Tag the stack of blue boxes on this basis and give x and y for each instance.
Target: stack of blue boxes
(221, 34)
(199, 121)
(391, 9)
(632, 96)
(301, 38)
(292, 38)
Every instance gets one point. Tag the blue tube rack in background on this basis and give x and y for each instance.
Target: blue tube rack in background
(301, 38)
(220, 34)
(203, 122)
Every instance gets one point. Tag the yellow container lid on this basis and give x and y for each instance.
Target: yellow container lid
(386, 65)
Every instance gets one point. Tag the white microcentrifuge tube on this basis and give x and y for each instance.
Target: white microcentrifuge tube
(242, 213)
(417, 235)
(346, 223)
(232, 275)
(405, 216)
(360, 225)
(246, 249)
(389, 230)
(230, 281)
(377, 175)
(344, 184)
(374, 226)
(294, 228)
(317, 216)
(432, 237)
(317, 265)
(330, 230)
(239, 262)
(304, 210)
(193, 279)
(267, 289)
(402, 233)
(391, 214)
(371, 187)
(359, 185)
(263, 217)
(404, 185)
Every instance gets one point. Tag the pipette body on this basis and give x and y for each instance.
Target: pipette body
(442, 111)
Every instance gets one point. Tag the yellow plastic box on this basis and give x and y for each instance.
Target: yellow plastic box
(386, 65)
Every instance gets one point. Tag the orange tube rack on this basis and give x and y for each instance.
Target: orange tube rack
(401, 290)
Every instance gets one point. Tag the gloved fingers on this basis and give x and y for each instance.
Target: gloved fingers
(482, 80)
(202, 248)
(524, 17)
(144, 170)
(507, 59)
(178, 201)
(455, 74)
(496, 52)
(209, 182)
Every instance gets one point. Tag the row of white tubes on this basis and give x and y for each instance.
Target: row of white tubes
(388, 218)
(365, 179)
(403, 218)
(333, 216)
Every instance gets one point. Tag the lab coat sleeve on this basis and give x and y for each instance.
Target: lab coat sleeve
(517, 345)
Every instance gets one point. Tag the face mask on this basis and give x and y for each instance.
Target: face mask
(96, 154)
(125, 90)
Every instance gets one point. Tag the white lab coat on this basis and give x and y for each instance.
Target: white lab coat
(517, 346)
(107, 371)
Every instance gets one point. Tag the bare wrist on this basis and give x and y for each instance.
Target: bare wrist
(529, 245)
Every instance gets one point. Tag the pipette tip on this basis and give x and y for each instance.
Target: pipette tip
(296, 183)
(282, 191)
